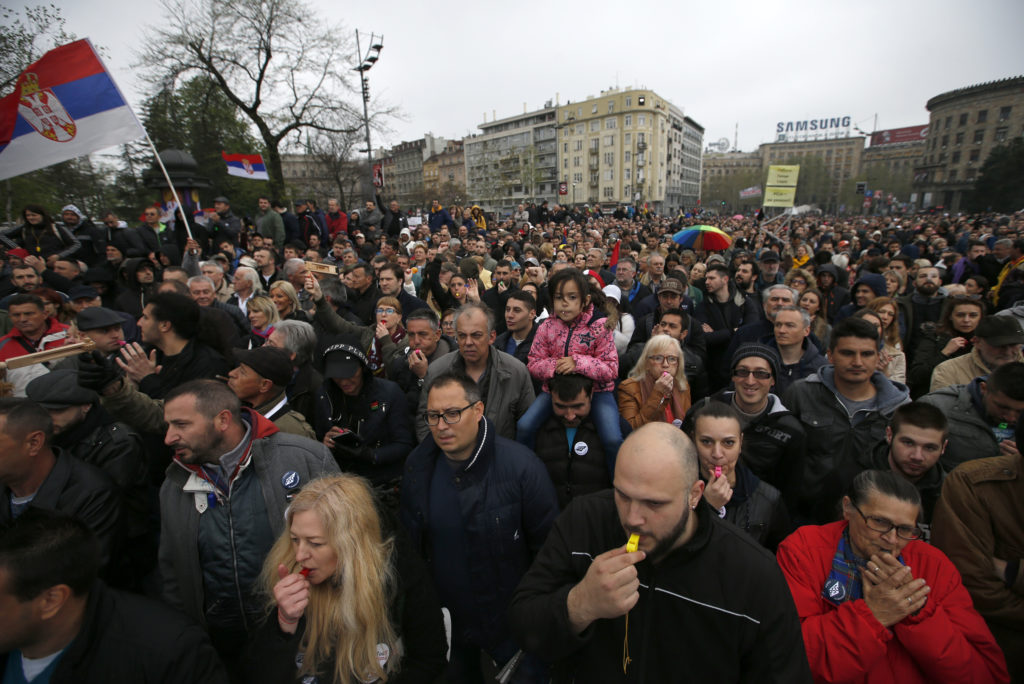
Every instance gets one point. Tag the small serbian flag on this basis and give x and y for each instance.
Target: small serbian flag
(246, 166)
(64, 105)
(615, 254)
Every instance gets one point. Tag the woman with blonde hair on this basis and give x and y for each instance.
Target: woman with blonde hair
(348, 600)
(287, 301)
(263, 316)
(656, 389)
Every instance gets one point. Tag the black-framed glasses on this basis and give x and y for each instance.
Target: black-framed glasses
(883, 525)
(744, 372)
(662, 358)
(451, 416)
(386, 310)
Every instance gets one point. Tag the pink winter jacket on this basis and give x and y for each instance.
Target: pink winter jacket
(586, 341)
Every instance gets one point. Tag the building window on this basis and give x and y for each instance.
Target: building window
(982, 115)
(628, 157)
(642, 121)
(960, 138)
(945, 140)
(565, 147)
(578, 145)
(952, 175)
(577, 178)
(627, 174)
(955, 158)
(609, 174)
(610, 124)
(595, 125)
(963, 119)
(629, 120)
(593, 109)
(979, 137)
(609, 140)
(628, 139)
(1004, 113)
(975, 155)
(565, 163)
(629, 101)
(611, 106)
(942, 157)
(1001, 134)
(576, 161)
(949, 120)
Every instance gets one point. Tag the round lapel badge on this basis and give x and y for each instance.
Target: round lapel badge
(581, 448)
(290, 480)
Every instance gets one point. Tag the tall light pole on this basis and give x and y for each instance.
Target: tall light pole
(366, 62)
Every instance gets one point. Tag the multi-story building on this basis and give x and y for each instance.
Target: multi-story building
(889, 161)
(964, 126)
(444, 174)
(403, 169)
(629, 146)
(322, 178)
(513, 160)
(829, 169)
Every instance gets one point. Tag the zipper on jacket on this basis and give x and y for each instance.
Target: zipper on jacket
(568, 337)
(234, 558)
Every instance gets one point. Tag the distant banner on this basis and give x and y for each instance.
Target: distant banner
(783, 176)
(378, 176)
(895, 136)
(779, 197)
(752, 191)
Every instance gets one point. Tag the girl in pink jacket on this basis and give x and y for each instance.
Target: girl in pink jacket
(574, 339)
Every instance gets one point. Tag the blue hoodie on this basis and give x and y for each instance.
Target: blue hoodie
(873, 280)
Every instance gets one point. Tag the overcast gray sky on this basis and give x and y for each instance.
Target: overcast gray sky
(724, 63)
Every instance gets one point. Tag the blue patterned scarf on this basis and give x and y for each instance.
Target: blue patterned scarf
(844, 581)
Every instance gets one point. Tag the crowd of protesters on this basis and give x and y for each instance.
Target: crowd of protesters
(384, 445)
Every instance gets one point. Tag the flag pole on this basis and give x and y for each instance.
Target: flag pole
(174, 192)
(167, 177)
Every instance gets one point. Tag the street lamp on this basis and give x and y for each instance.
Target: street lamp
(366, 62)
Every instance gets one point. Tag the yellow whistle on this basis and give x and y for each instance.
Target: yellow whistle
(633, 543)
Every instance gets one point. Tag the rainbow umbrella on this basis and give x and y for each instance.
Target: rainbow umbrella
(707, 238)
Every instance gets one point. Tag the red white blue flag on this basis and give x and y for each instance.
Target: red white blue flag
(246, 166)
(65, 105)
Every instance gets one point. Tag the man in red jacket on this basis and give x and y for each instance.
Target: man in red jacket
(876, 603)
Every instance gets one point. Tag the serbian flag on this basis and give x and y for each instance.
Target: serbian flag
(65, 105)
(246, 166)
(614, 259)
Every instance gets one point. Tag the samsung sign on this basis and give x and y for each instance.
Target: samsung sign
(812, 125)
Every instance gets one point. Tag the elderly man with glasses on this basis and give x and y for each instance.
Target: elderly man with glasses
(876, 603)
(479, 506)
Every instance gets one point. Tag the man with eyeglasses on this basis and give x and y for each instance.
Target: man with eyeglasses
(479, 506)
(845, 407)
(773, 439)
(876, 603)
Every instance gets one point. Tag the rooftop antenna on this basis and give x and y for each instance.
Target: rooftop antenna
(736, 138)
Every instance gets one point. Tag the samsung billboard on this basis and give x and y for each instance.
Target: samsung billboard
(813, 125)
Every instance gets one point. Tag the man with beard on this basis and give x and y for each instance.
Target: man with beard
(222, 507)
(691, 579)
(496, 296)
(921, 307)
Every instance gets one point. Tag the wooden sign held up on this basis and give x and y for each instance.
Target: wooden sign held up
(317, 267)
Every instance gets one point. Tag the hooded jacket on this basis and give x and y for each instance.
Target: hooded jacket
(134, 295)
(586, 341)
(773, 444)
(839, 445)
(94, 246)
(874, 281)
(835, 297)
(970, 435)
(275, 466)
